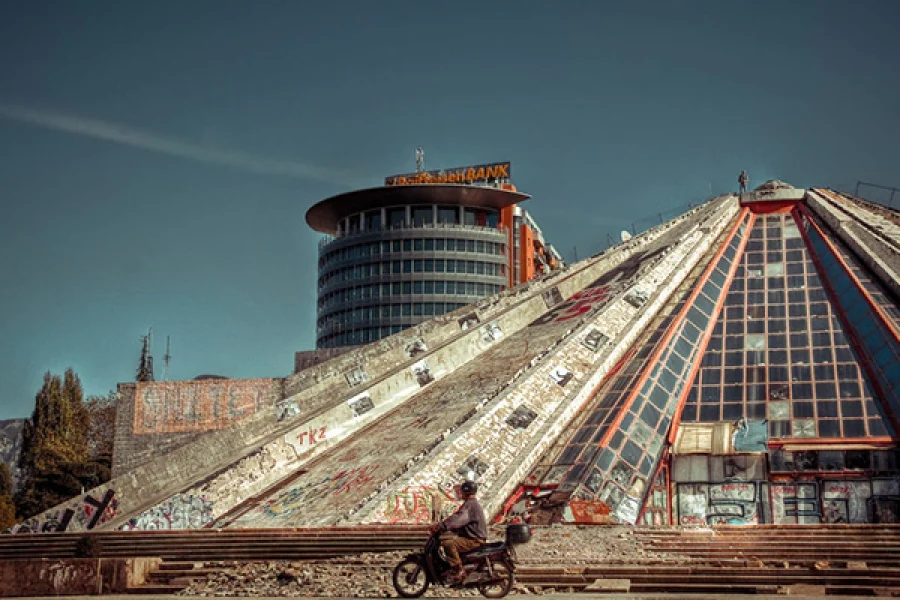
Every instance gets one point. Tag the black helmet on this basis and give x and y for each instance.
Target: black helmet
(468, 487)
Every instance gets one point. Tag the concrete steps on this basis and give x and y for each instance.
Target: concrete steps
(203, 545)
(861, 560)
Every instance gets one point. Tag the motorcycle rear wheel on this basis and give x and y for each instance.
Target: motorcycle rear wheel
(502, 582)
(410, 579)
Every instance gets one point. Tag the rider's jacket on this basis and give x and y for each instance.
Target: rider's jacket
(468, 521)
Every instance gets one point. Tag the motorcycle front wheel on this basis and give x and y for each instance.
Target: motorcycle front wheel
(501, 583)
(410, 579)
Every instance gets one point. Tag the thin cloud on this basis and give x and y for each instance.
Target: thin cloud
(136, 138)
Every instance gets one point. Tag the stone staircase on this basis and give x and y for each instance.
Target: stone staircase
(173, 576)
(217, 545)
(827, 559)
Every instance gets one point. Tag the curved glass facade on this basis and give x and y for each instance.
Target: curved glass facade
(393, 268)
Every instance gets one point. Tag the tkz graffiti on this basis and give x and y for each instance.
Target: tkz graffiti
(179, 512)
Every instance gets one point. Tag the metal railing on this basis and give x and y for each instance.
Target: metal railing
(885, 188)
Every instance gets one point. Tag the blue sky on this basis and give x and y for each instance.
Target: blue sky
(157, 158)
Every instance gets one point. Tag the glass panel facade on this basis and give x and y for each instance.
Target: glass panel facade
(779, 352)
(615, 450)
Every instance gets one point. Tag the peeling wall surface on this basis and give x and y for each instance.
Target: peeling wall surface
(156, 417)
(72, 577)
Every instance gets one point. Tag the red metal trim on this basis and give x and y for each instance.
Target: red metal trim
(849, 331)
(770, 207)
(667, 337)
(717, 309)
(872, 441)
(878, 310)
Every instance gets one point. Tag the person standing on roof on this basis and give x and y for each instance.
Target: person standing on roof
(743, 180)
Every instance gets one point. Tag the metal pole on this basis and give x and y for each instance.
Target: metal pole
(856, 193)
(891, 200)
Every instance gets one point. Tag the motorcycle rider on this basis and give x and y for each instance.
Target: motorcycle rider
(463, 531)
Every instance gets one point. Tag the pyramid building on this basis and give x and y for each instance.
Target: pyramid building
(737, 365)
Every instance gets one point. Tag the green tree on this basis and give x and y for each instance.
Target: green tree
(7, 508)
(54, 458)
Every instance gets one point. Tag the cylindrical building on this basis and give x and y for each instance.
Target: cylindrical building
(404, 253)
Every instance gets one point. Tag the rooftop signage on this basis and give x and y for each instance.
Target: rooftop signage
(474, 174)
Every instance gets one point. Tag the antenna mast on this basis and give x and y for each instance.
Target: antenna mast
(166, 358)
(420, 160)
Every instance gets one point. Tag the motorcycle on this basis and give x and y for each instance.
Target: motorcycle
(490, 568)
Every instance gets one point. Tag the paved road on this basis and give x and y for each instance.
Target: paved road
(578, 596)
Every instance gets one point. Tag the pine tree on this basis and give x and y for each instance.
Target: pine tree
(6, 484)
(54, 456)
(145, 366)
(7, 508)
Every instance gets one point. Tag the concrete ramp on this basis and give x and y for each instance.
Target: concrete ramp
(347, 431)
(488, 415)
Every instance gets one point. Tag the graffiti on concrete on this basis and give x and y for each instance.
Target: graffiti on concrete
(414, 504)
(845, 501)
(491, 333)
(86, 512)
(56, 520)
(178, 406)
(733, 503)
(795, 503)
(302, 440)
(293, 500)
(596, 295)
(95, 512)
(725, 503)
(183, 511)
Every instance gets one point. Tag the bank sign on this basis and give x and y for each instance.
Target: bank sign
(475, 174)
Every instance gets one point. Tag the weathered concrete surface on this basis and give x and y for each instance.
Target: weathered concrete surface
(156, 417)
(496, 439)
(206, 478)
(874, 238)
(75, 576)
(266, 466)
(359, 481)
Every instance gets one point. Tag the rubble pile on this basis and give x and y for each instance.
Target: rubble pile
(580, 545)
(368, 575)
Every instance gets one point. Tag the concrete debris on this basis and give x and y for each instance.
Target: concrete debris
(369, 575)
